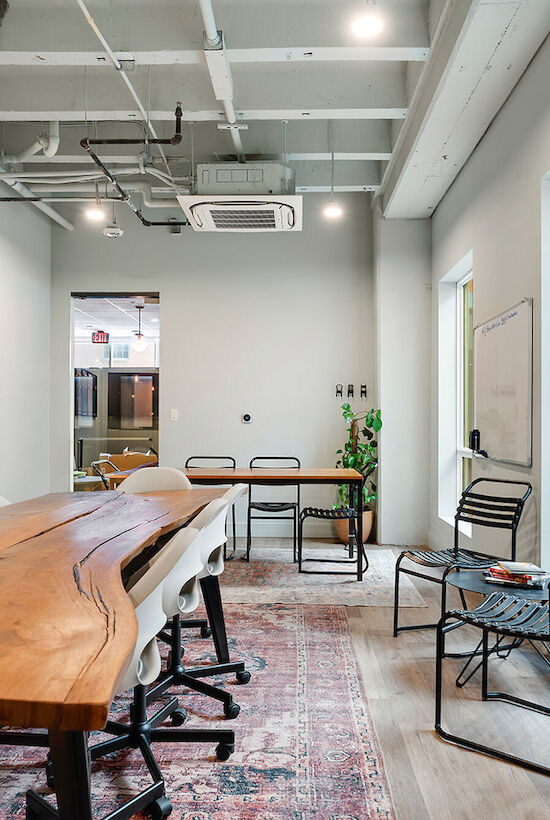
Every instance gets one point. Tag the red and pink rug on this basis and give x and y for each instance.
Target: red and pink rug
(305, 748)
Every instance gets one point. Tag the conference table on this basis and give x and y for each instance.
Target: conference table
(67, 626)
(279, 477)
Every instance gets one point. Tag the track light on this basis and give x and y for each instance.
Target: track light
(113, 230)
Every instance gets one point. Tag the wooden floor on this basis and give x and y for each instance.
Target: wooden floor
(430, 778)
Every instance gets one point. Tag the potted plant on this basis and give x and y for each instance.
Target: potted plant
(360, 453)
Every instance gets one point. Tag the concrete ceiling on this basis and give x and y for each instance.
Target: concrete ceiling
(402, 103)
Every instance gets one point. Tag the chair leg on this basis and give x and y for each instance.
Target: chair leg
(248, 535)
(233, 521)
(396, 597)
(295, 534)
(300, 542)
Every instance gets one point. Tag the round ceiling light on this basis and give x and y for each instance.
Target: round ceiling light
(95, 213)
(367, 26)
(333, 210)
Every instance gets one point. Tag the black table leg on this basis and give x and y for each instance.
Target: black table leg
(212, 599)
(71, 768)
(359, 494)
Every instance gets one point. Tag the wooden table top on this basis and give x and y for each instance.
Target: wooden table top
(67, 626)
(259, 475)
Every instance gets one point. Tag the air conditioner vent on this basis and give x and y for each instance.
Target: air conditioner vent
(243, 213)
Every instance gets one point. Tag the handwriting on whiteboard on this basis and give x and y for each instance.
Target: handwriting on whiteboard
(500, 321)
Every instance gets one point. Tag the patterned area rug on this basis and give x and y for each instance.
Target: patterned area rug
(272, 577)
(305, 746)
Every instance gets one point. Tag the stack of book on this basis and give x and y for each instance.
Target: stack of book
(518, 574)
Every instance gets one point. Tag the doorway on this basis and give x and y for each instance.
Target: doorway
(116, 385)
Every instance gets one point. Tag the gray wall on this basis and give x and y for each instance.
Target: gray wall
(494, 210)
(264, 324)
(25, 365)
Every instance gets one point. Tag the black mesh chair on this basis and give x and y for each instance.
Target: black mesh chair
(505, 616)
(274, 508)
(348, 513)
(480, 508)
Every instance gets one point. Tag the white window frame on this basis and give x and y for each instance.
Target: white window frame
(450, 391)
(461, 450)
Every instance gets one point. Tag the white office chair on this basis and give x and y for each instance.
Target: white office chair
(171, 576)
(151, 479)
(211, 523)
(4, 501)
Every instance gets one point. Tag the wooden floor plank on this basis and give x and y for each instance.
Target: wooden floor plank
(429, 778)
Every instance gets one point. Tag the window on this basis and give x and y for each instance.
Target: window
(120, 351)
(465, 372)
(455, 386)
(85, 393)
(133, 401)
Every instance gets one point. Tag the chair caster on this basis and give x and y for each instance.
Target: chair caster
(50, 780)
(206, 632)
(160, 809)
(178, 717)
(243, 677)
(231, 710)
(224, 751)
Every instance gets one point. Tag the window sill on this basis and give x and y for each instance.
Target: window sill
(463, 527)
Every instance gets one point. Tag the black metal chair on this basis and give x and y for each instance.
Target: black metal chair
(273, 508)
(221, 461)
(499, 512)
(349, 513)
(506, 616)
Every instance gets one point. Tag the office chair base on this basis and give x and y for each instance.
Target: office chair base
(177, 675)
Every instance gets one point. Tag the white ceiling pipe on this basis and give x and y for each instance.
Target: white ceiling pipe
(49, 144)
(123, 74)
(214, 41)
(210, 28)
(130, 187)
(50, 150)
(41, 206)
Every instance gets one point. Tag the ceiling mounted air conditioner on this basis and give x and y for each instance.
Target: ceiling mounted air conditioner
(243, 214)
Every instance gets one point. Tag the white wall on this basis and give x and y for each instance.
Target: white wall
(265, 324)
(494, 210)
(403, 289)
(25, 366)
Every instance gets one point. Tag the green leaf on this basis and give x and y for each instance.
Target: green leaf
(376, 425)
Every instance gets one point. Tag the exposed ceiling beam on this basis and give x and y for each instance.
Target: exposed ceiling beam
(123, 159)
(209, 116)
(340, 189)
(234, 55)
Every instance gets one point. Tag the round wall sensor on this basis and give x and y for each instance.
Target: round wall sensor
(246, 418)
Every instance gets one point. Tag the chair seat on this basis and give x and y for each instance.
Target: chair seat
(464, 559)
(273, 506)
(509, 615)
(332, 515)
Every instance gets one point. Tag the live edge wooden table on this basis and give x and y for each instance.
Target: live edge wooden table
(67, 626)
(260, 475)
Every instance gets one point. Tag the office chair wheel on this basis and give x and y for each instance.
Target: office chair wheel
(231, 710)
(243, 677)
(50, 780)
(224, 751)
(178, 717)
(206, 632)
(160, 809)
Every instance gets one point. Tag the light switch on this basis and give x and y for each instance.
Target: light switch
(173, 414)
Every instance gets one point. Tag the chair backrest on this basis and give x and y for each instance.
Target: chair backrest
(236, 491)
(179, 558)
(281, 463)
(487, 510)
(4, 501)
(221, 461)
(211, 522)
(155, 478)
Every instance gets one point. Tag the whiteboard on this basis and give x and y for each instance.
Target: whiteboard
(503, 377)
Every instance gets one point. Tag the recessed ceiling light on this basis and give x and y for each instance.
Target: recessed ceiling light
(154, 320)
(369, 25)
(333, 210)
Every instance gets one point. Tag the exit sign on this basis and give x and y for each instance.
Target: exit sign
(100, 337)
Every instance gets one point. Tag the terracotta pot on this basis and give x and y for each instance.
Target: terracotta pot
(342, 527)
